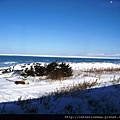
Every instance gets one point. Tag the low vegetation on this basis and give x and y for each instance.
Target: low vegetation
(53, 70)
(102, 70)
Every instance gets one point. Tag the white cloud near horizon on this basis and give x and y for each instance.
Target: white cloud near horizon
(102, 54)
(95, 54)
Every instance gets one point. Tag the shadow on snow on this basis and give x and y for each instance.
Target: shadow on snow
(104, 100)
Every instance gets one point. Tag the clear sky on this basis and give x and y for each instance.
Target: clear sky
(60, 27)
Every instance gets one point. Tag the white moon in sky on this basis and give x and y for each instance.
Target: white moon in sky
(111, 1)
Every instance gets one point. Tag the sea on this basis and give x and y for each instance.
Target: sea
(6, 61)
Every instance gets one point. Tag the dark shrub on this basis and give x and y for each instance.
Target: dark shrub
(58, 71)
(39, 70)
(66, 70)
(52, 70)
(30, 72)
(56, 74)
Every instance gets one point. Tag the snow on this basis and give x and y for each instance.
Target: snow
(53, 96)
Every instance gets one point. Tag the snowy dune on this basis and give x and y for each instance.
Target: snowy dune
(97, 65)
(40, 86)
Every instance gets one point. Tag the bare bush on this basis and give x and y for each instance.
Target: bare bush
(102, 70)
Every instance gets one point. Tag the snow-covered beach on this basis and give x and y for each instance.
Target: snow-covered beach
(93, 88)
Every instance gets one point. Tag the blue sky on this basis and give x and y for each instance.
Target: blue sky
(60, 27)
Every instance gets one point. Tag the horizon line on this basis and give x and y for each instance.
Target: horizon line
(65, 56)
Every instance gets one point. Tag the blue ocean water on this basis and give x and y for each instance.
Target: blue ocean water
(6, 61)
